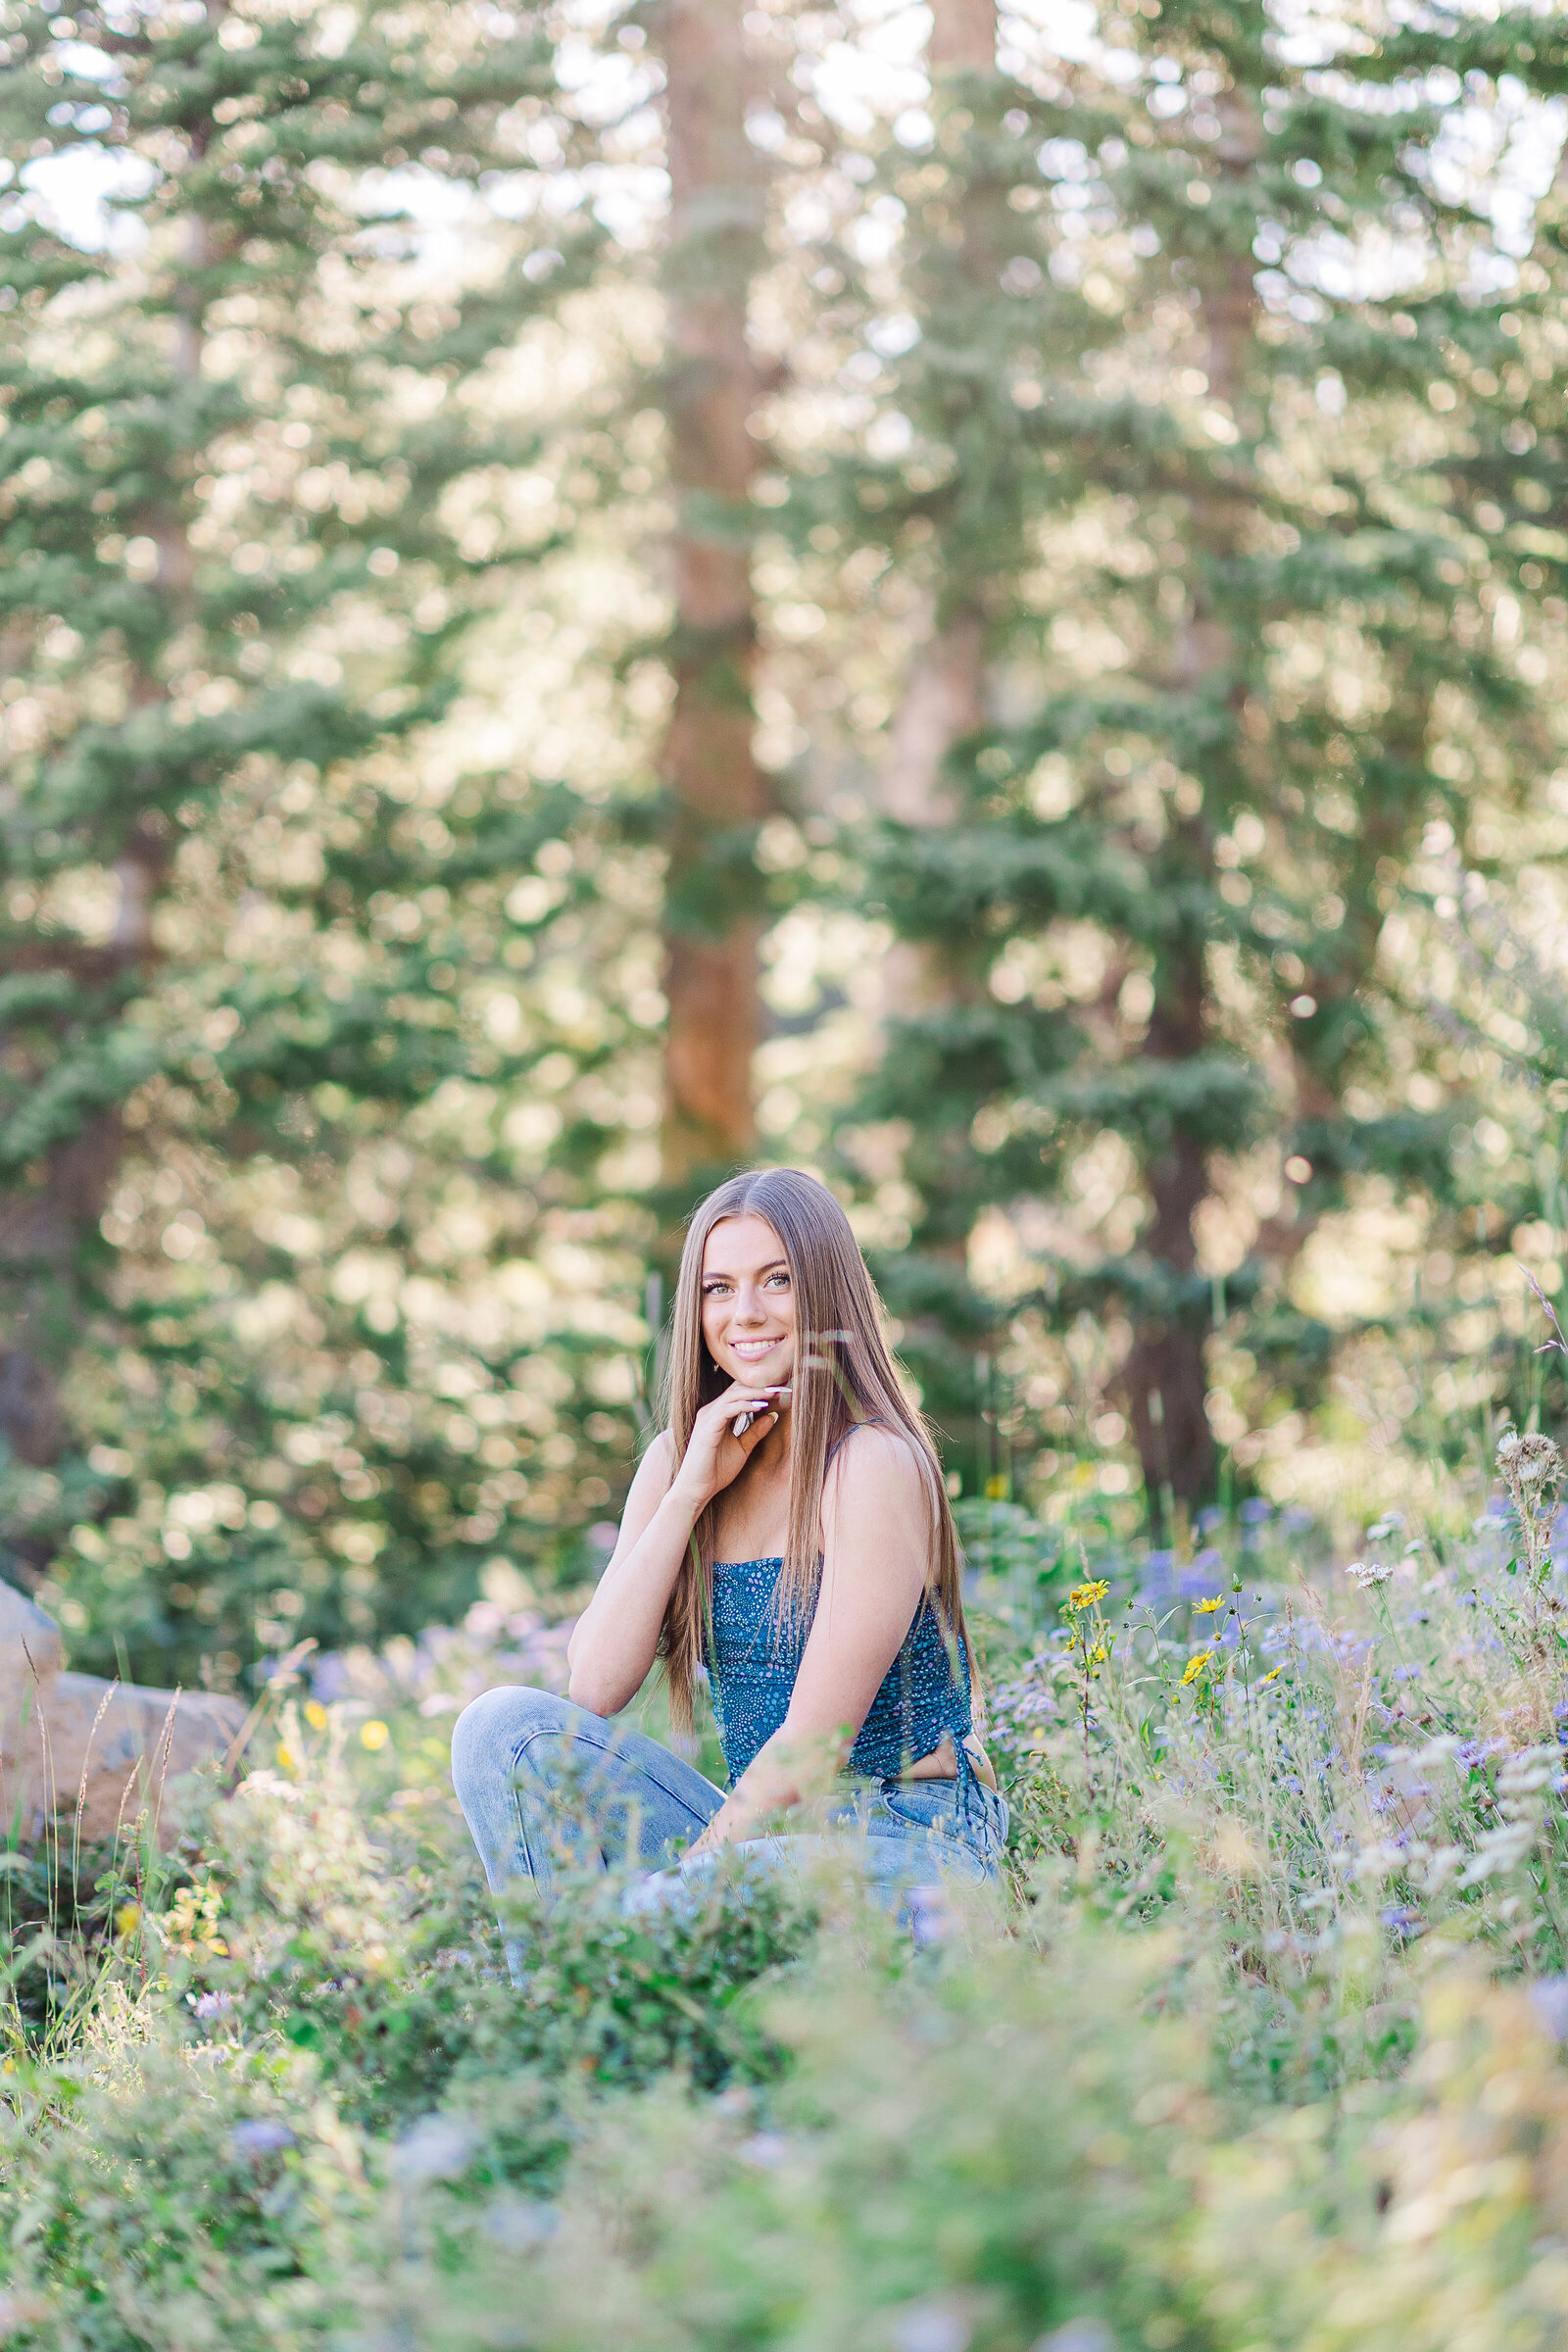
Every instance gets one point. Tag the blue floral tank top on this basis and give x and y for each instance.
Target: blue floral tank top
(753, 1660)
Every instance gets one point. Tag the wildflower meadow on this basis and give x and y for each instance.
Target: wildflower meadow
(1260, 2043)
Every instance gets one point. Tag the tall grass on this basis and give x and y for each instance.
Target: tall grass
(1259, 2046)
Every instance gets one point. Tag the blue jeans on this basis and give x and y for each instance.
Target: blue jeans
(541, 1782)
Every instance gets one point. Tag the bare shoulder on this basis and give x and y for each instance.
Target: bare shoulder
(877, 1516)
(877, 1464)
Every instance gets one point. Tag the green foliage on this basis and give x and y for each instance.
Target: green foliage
(289, 956)
(1214, 530)
(179, 2203)
(1247, 2026)
(1317, 1784)
(946, 2155)
(334, 670)
(384, 1964)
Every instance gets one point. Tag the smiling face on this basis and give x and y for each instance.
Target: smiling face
(749, 1302)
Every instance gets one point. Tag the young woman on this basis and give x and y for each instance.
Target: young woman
(788, 1531)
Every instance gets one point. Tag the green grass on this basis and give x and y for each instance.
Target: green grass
(1256, 2047)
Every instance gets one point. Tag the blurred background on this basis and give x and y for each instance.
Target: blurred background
(970, 598)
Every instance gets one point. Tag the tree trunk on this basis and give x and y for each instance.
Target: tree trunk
(1165, 1377)
(943, 694)
(715, 785)
(963, 36)
(944, 699)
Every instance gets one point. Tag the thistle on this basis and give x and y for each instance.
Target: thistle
(1531, 1469)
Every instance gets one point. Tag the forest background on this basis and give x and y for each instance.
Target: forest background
(972, 600)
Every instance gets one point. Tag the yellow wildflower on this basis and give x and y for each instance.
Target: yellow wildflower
(192, 1925)
(1195, 1666)
(316, 1714)
(373, 1735)
(1082, 1596)
(1272, 1676)
(286, 1758)
(128, 1919)
(1206, 1609)
(1098, 1656)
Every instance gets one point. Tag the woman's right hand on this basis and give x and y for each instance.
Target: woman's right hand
(715, 1455)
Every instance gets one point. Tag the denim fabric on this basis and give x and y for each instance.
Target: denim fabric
(541, 1781)
(900, 1838)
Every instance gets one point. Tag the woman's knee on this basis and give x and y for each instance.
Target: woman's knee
(492, 1729)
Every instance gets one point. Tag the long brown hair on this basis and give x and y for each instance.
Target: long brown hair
(843, 1376)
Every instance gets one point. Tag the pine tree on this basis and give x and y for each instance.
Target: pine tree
(250, 448)
(971, 548)
(1241, 633)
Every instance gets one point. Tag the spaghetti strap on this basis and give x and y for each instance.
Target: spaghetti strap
(875, 1422)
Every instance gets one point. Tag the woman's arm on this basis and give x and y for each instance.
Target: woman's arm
(615, 1640)
(877, 1551)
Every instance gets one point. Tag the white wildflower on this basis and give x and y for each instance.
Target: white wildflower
(437, 2148)
(1510, 1445)
(519, 2222)
(1441, 1867)
(1375, 1863)
(1078, 2336)
(1369, 1573)
(1530, 1770)
(1498, 1851)
(931, 2326)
